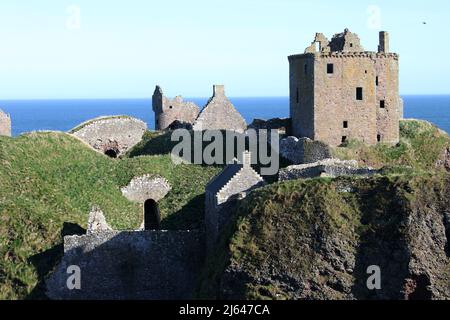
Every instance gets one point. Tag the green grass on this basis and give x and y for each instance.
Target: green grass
(84, 124)
(421, 145)
(281, 230)
(48, 180)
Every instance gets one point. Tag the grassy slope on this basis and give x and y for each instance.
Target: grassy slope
(421, 144)
(48, 179)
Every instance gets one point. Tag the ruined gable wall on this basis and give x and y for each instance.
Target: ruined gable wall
(335, 98)
(5, 124)
(387, 69)
(175, 109)
(130, 265)
(244, 180)
(220, 114)
(301, 86)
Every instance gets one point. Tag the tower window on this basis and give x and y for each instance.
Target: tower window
(382, 104)
(378, 137)
(376, 81)
(351, 45)
(359, 93)
(344, 139)
(330, 68)
(345, 124)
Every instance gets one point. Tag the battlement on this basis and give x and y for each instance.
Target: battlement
(343, 55)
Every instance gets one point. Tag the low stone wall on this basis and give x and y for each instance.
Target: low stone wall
(304, 150)
(281, 124)
(130, 265)
(111, 135)
(327, 168)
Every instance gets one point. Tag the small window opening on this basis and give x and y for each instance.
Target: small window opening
(344, 139)
(351, 45)
(365, 71)
(378, 137)
(359, 93)
(382, 104)
(376, 81)
(170, 107)
(345, 124)
(330, 68)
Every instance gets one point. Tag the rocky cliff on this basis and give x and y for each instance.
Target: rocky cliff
(315, 239)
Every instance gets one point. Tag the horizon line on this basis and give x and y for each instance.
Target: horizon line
(186, 97)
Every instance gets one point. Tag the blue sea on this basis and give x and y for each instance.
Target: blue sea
(63, 115)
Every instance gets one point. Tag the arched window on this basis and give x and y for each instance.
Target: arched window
(152, 218)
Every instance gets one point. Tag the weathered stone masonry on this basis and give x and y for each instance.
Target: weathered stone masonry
(338, 91)
(5, 124)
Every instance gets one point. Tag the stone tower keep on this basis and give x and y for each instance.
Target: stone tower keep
(5, 124)
(339, 91)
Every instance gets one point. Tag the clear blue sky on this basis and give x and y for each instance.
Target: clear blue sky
(124, 48)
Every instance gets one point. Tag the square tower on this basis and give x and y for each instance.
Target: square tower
(339, 91)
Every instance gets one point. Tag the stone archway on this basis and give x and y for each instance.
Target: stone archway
(152, 218)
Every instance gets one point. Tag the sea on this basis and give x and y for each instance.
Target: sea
(63, 115)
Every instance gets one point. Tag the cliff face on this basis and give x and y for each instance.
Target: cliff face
(315, 239)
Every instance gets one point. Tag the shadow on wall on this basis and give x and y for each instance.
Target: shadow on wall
(46, 261)
(131, 265)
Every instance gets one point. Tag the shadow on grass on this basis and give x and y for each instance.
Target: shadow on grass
(45, 262)
(189, 217)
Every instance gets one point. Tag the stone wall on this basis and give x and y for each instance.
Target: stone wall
(130, 265)
(283, 125)
(324, 168)
(169, 110)
(5, 124)
(220, 114)
(146, 187)
(323, 94)
(303, 150)
(112, 135)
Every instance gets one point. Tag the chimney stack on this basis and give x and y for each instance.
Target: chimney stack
(247, 159)
(383, 47)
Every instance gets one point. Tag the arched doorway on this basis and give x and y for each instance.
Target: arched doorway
(111, 153)
(152, 219)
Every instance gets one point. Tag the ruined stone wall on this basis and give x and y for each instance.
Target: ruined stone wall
(336, 102)
(331, 112)
(386, 67)
(244, 180)
(5, 124)
(301, 98)
(130, 265)
(117, 133)
(220, 114)
(169, 110)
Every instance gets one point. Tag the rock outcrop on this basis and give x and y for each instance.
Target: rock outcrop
(308, 239)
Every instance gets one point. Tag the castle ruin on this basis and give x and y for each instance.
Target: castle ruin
(5, 124)
(218, 114)
(339, 91)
